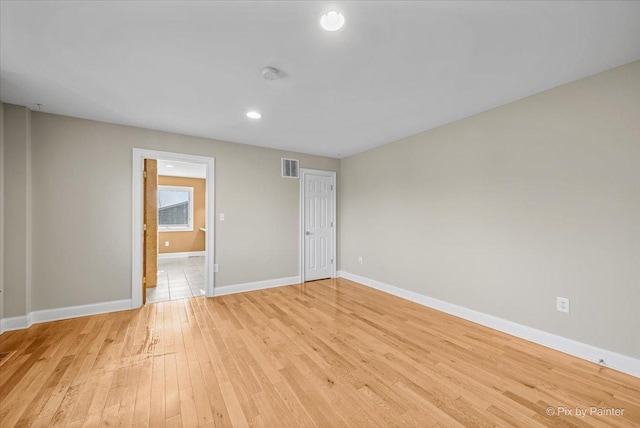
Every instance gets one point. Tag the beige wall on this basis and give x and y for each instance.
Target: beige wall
(180, 242)
(16, 211)
(1, 211)
(506, 210)
(82, 208)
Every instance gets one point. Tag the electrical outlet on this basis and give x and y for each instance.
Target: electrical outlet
(360, 260)
(166, 243)
(215, 267)
(562, 304)
(221, 216)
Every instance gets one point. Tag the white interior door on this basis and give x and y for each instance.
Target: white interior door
(318, 226)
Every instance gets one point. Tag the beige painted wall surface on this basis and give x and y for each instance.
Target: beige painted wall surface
(506, 210)
(180, 242)
(15, 275)
(1, 210)
(82, 208)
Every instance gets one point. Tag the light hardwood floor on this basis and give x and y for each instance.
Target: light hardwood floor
(328, 354)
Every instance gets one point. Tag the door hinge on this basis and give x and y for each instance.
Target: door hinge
(144, 279)
(332, 187)
(144, 174)
(144, 227)
(331, 224)
(331, 261)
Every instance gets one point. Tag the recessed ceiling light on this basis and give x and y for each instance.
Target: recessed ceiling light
(169, 166)
(253, 115)
(332, 20)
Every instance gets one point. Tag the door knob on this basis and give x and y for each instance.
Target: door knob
(307, 233)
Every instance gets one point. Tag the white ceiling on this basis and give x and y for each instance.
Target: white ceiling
(181, 169)
(395, 69)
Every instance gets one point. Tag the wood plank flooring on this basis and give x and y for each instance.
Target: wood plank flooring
(328, 354)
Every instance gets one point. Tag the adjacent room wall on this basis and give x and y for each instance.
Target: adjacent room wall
(82, 209)
(182, 242)
(506, 210)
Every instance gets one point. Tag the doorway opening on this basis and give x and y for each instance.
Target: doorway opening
(173, 219)
(317, 224)
(181, 214)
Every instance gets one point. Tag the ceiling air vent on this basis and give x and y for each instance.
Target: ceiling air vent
(290, 168)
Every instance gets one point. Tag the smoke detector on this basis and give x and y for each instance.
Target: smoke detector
(270, 73)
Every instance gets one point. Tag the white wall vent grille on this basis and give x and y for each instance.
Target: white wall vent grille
(290, 168)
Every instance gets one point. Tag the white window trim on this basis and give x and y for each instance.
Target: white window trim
(187, 228)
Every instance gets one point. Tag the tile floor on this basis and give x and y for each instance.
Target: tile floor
(179, 278)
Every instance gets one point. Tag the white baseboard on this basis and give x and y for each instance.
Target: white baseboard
(13, 323)
(19, 323)
(179, 255)
(35, 317)
(257, 285)
(581, 350)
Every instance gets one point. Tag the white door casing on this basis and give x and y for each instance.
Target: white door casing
(318, 224)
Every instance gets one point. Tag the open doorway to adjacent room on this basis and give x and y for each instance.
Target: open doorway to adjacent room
(181, 212)
(173, 247)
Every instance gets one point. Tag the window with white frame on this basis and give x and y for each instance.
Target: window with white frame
(175, 209)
